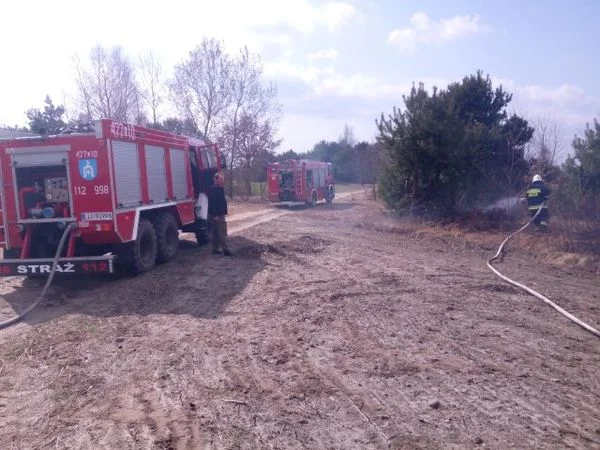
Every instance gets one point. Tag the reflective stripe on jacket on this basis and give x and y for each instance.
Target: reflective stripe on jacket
(537, 194)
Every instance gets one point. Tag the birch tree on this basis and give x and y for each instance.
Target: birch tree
(107, 87)
(252, 112)
(200, 87)
(151, 83)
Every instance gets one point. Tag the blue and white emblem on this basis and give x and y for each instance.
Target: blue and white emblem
(88, 169)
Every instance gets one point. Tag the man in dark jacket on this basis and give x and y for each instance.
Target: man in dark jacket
(217, 210)
(536, 194)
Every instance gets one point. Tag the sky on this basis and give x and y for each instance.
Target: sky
(334, 62)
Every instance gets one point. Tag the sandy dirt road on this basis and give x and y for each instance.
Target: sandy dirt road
(329, 329)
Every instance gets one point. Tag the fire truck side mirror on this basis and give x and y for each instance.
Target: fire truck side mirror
(223, 164)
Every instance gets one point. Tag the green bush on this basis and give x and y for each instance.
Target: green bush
(579, 191)
(452, 150)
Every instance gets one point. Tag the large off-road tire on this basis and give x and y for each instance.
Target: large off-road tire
(144, 248)
(202, 232)
(167, 237)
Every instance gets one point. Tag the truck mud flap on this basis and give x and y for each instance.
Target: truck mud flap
(93, 265)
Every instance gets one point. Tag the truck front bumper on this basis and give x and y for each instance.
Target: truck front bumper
(288, 204)
(87, 265)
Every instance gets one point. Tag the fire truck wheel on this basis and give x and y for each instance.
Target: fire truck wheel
(167, 237)
(144, 248)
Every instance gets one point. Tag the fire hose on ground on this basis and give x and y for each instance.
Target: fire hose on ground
(42, 295)
(529, 290)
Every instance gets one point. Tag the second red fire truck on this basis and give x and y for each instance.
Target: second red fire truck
(300, 182)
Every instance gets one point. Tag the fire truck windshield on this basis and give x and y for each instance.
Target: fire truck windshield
(287, 180)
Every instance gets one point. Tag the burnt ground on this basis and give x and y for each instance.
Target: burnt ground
(322, 332)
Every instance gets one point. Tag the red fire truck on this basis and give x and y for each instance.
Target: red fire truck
(300, 182)
(125, 192)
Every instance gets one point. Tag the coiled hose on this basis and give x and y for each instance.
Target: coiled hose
(531, 291)
(35, 304)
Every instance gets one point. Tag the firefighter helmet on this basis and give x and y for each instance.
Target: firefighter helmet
(537, 178)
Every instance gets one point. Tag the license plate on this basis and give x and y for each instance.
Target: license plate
(72, 266)
(87, 216)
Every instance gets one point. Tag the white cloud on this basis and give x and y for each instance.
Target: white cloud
(328, 81)
(310, 75)
(329, 53)
(537, 97)
(405, 40)
(304, 16)
(564, 94)
(358, 85)
(422, 29)
(335, 14)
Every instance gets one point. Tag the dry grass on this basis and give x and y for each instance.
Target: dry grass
(567, 244)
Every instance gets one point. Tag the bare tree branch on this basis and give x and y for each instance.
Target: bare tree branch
(347, 136)
(107, 87)
(252, 105)
(151, 90)
(200, 87)
(256, 139)
(546, 144)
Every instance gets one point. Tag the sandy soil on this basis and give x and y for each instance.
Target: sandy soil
(327, 330)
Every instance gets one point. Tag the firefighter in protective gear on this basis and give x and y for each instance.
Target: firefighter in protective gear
(538, 193)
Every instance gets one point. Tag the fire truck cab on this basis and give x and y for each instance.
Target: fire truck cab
(300, 182)
(127, 189)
